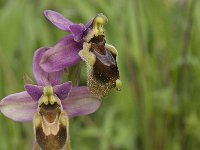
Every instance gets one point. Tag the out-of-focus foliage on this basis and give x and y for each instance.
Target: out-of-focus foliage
(159, 58)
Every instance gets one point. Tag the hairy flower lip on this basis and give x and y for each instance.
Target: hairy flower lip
(51, 112)
(103, 73)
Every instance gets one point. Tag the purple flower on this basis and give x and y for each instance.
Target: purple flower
(85, 43)
(49, 105)
(75, 101)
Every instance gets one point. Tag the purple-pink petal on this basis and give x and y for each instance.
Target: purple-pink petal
(62, 55)
(89, 24)
(34, 91)
(58, 20)
(62, 90)
(88, 27)
(77, 31)
(42, 77)
(19, 107)
(80, 102)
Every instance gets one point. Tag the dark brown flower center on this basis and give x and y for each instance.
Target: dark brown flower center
(50, 111)
(105, 68)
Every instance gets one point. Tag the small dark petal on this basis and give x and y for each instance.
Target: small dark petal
(62, 90)
(34, 91)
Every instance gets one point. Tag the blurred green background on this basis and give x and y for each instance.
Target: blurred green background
(158, 42)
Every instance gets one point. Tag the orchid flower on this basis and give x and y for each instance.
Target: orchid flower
(49, 105)
(85, 43)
